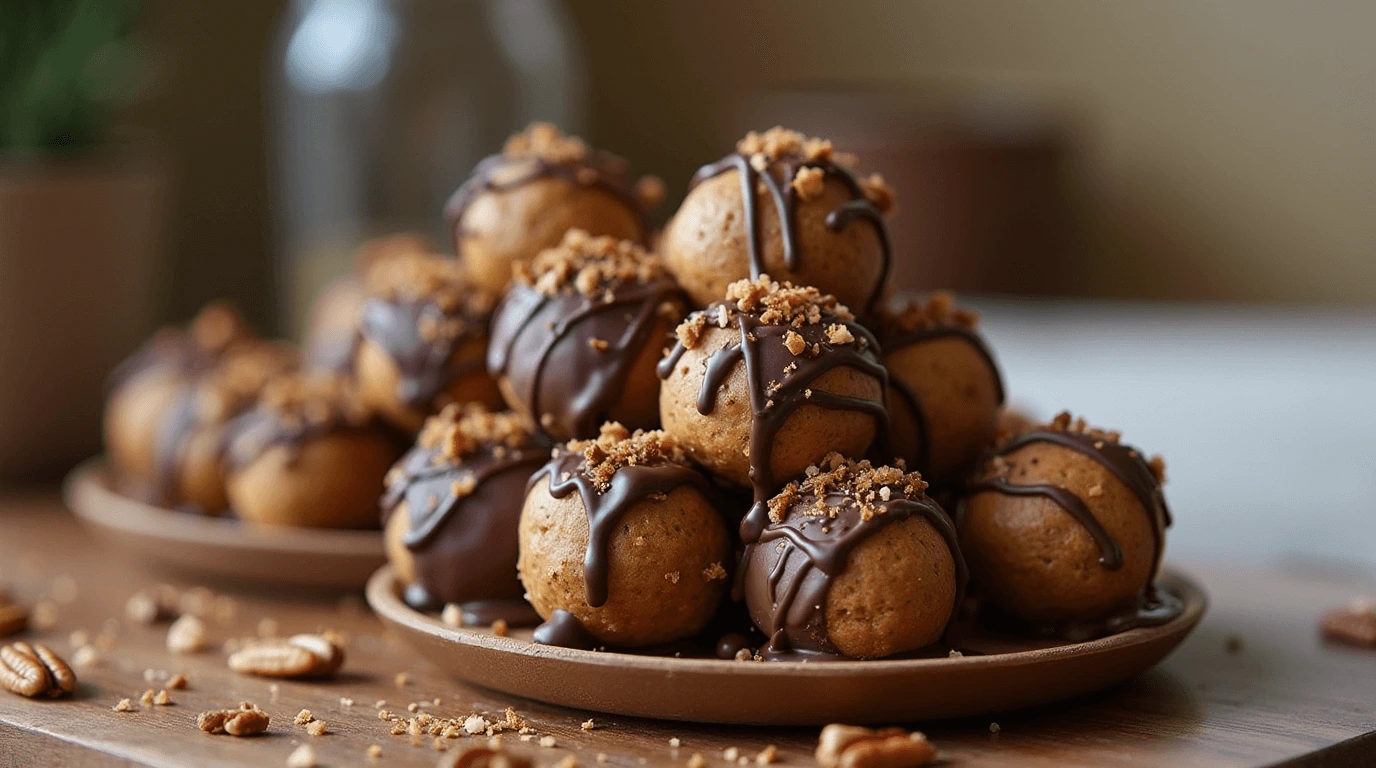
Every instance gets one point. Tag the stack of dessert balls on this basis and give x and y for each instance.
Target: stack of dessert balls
(736, 439)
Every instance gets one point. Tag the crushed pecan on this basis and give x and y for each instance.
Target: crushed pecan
(850, 746)
(186, 635)
(247, 720)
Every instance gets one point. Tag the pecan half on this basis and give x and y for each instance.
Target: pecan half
(850, 746)
(34, 671)
(297, 656)
(247, 720)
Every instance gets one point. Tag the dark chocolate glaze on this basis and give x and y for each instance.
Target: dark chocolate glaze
(789, 572)
(892, 342)
(169, 349)
(600, 171)
(629, 486)
(767, 363)
(540, 344)
(426, 367)
(252, 433)
(777, 177)
(333, 351)
(175, 431)
(566, 631)
(464, 548)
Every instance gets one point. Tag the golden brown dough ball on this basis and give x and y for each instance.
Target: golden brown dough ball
(577, 338)
(856, 561)
(543, 184)
(621, 533)
(944, 387)
(833, 235)
(423, 339)
(1065, 524)
(308, 455)
(774, 378)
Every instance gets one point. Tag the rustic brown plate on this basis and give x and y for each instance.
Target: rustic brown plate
(224, 550)
(1011, 674)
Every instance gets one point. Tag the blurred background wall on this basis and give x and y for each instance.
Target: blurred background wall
(1218, 150)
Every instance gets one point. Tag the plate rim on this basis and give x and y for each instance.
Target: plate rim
(88, 495)
(382, 596)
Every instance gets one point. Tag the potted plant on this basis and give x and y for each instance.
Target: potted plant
(80, 225)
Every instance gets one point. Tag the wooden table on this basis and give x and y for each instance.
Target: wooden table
(1254, 685)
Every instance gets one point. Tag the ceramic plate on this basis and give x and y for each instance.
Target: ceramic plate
(223, 550)
(1008, 675)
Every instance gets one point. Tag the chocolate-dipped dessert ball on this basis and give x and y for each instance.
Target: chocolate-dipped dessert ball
(944, 387)
(308, 454)
(1066, 525)
(620, 542)
(576, 340)
(782, 205)
(188, 467)
(332, 329)
(766, 383)
(543, 184)
(856, 561)
(423, 338)
(148, 385)
(453, 503)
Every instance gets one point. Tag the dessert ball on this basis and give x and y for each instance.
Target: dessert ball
(944, 387)
(188, 467)
(576, 340)
(620, 537)
(453, 504)
(782, 205)
(423, 335)
(308, 454)
(332, 330)
(543, 184)
(1065, 524)
(856, 561)
(145, 388)
(768, 382)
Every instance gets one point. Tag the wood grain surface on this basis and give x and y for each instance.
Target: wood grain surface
(1254, 685)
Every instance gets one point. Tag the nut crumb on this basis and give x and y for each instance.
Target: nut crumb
(588, 725)
(302, 757)
(672, 577)
(500, 628)
(186, 635)
(177, 683)
(401, 679)
(303, 717)
(374, 751)
(850, 746)
(697, 761)
(247, 720)
(730, 754)
(452, 615)
(600, 345)
(317, 727)
(163, 699)
(547, 742)
(146, 700)
(675, 743)
(767, 755)
(124, 705)
(994, 728)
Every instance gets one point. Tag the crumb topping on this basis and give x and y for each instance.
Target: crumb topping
(216, 327)
(617, 447)
(779, 142)
(429, 277)
(878, 193)
(869, 487)
(590, 266)
(245, 369)
(316, 399)
(809, 181)
(462, 430)
(1064, 422)
(784, 303)
(910, 313)
(544, 141)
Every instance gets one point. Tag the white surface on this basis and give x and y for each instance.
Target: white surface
(1266, 417)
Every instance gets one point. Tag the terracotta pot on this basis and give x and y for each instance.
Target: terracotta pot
(80, 256)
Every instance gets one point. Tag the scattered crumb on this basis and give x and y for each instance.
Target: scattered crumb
(500, 628)
(186, 635)
(163, 699)
(304, 716)
(672, 577)
(568, 761)
(994, 728)
(317, 727)
(697, 761)
(954, 654)
(177, 682)
(401, 679)
(302, 757)
(475, 724)
(675, 743)
(588, 725)
(731, 754)
(146, 700)
(124, 705)
(345, 701)
(452, 615)
(374, 751)
(767, 755)
(547, 742)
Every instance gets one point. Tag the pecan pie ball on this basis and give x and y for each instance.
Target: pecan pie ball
(855, 561)
(1065, 524)
(332, 329)
(453, 503)
(766, 383)
(576, 340)
(782, 204)
(148, 386)
(619, 537)
(543, 184)
(944, 387)
(308, 454)
(423, 339)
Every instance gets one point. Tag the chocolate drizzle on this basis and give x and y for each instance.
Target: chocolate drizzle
(780, 383)
(498, 173)
(570, 389)
(425, 364)
(777, 179)
(1121, 461)
(789, 602)
(464, 546)
(629, 485)
(898, 341)
(566, 631)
